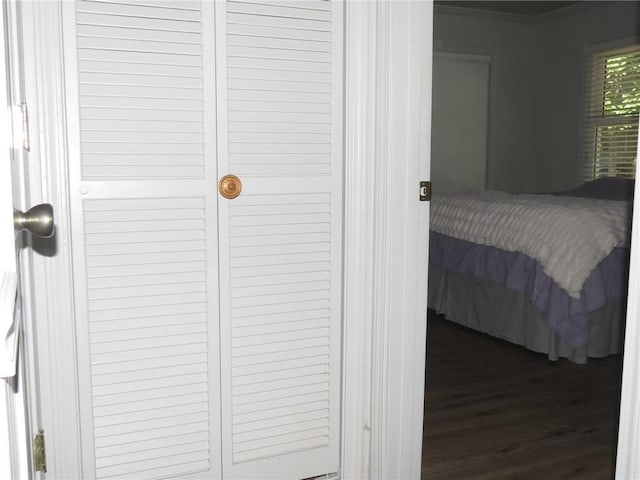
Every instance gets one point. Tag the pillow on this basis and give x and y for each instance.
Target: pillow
(607, 188)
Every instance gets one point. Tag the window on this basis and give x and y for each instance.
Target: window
(611, 113)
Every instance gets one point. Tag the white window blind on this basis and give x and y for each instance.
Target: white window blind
(611, 113)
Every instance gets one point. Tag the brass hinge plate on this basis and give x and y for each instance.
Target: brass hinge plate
(20, 126)
(39, 461)
(26, 137)
(425, 191)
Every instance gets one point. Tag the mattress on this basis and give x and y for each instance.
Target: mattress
(525, 269)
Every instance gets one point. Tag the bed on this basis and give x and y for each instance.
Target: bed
(548, 272)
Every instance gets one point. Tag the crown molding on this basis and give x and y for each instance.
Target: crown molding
(515, 17)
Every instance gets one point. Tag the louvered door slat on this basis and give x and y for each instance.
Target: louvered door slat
(143, 89)
(148, 364)
(280, 247)
(123, 32)
(143, 58)
(152, 10)
(144, 23)
(113, 451)
(123, 399)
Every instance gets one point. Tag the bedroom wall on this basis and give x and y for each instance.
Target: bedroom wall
(510, 45)
(536, 85)
(559, 103)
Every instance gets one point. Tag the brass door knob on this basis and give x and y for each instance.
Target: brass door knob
(230, 186)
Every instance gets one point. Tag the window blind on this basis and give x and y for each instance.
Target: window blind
(611, 113)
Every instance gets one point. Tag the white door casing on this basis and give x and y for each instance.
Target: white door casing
(18, 250)
(402, 154)
(399, 30)
(8, 261)
(53, 339)
(8, 289)
(627, 465)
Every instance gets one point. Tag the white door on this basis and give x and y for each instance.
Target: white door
(460, 110)
(208, 329)
(280, 130)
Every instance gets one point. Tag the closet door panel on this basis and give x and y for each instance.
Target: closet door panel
(142, 175)
(280, 110)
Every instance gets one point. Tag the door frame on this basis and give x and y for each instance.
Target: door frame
(14, 448)
(387, 147)
(388, 125)
(20, 391)
(627, 465)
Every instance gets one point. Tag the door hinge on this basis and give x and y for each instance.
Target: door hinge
(425, 191)
(39, 459)
(26, 141)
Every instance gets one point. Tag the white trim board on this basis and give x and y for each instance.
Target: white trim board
(388, 148)
(22, 402)
(463, 57)
(610, 45)
(627, 461)
(53, 305)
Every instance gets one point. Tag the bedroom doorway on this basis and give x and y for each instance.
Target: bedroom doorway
(522, 141)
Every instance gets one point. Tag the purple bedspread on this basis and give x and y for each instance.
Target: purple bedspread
(515, 271)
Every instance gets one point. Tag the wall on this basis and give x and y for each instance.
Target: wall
(536, 90)
(560, 93)
(510, 45)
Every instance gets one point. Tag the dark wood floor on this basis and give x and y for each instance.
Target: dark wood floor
(497, 411)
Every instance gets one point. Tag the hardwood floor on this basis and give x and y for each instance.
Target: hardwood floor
(497, 411)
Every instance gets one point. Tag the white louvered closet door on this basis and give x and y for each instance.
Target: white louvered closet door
(280, 131)
(140, 85)
(208, 330)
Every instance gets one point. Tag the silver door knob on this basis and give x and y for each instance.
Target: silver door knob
(37, 220)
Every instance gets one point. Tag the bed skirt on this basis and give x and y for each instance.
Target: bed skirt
(490, 308)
